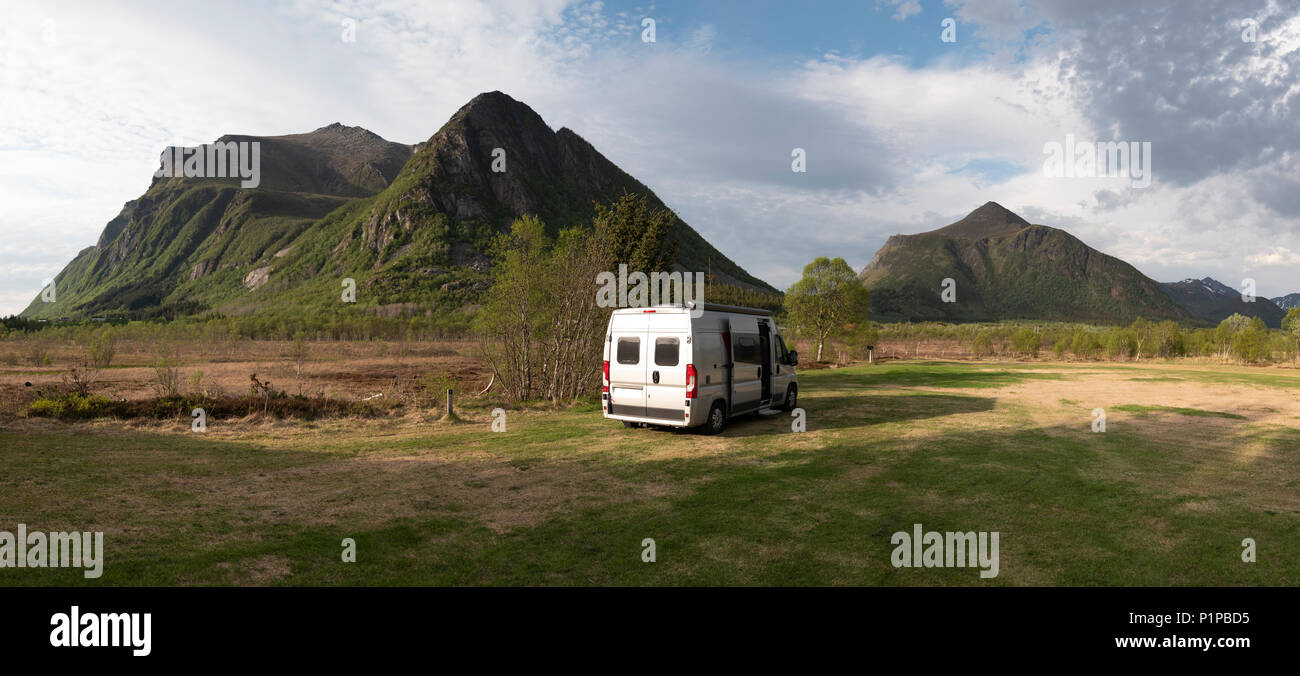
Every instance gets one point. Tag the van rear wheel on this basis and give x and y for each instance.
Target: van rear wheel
(717, 420)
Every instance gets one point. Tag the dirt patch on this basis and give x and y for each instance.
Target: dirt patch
(258, 571)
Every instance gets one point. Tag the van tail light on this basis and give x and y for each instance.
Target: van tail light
(690, 381)
(604, 382)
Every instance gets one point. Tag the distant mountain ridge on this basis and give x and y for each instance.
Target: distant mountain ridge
(1007, 268)
(1214, 301)
(410, 223)
(1288, 301)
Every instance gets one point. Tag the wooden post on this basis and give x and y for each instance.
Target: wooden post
(450, 412)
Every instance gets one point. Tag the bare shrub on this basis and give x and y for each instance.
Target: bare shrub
(79, 382)
(167, 378)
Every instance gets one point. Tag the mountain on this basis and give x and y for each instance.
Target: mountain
(1007, 268)
(411, 224)
(1288, 301)
(1214, 301)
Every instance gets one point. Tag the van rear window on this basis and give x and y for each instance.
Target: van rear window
(666, 351)
(629, 350)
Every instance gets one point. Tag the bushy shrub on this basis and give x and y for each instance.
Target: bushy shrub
(70, 406)
(1026, 342)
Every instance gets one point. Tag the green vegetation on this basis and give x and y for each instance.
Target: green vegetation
(1194, 412)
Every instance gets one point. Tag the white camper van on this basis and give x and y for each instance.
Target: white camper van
(664, 366)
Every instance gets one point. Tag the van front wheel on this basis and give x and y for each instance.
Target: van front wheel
(791, 399)
(717, 420)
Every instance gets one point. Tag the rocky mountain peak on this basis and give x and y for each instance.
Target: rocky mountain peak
(989, 220)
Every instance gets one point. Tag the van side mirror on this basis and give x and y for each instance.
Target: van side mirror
(793, 358)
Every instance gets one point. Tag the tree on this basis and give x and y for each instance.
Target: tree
(541, 329)
(1169, 339)
(1227, 331)
(827, 299)
(516, 308)
(1250, 343)
(1141, 330)
(637, 234)
(1291, 325)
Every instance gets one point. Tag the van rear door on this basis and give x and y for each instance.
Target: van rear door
(628, 352)
(666, 388)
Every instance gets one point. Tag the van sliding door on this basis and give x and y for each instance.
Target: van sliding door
(746, 384)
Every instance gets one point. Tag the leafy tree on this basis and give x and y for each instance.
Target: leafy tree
(1250, 343)
(1169, 339)
(516, 307)
(1291, 325)
(540, 328)
(826, 300)
(1141, 330)
(1121, 343)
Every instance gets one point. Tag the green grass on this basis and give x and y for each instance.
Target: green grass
(1195, 412)
(566, 498)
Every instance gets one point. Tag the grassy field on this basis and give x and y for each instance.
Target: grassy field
(1192, 461)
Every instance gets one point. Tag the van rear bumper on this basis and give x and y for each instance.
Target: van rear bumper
(649, 421)
(666, 414)
(675, 417)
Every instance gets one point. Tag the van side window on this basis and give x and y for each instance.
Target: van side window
(629, 350)
(747, 351)
(666, 350)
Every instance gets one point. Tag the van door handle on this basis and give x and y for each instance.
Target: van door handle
(655, 377)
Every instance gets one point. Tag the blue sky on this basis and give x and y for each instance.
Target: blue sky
(903, 132)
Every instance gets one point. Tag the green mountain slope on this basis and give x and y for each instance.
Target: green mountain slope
(1006, 268)
(409, 224)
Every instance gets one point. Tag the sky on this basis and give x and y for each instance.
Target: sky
(909, 113)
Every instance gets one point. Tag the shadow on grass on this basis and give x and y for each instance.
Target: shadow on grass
(840, 412)
(925, 374)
